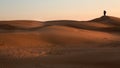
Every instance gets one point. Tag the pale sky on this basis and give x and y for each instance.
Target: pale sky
(43, 10)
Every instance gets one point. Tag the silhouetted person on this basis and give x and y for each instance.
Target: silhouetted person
(105, 13)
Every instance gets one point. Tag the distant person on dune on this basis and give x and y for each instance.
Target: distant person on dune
(104, 12)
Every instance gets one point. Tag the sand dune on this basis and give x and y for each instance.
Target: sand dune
(57, 35)
(104, 23)
(60, 43)
(72, 36)
(8, 27)
(23, 23)
(114, 21)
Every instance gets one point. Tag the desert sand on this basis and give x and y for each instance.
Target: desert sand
(60, 43)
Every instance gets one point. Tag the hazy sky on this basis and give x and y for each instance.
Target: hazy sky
(57, 9)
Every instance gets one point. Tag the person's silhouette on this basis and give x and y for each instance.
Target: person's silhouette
(104, 12)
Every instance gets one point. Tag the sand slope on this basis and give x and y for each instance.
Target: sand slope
(57, 35)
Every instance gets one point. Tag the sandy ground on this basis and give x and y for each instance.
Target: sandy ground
(60, 57)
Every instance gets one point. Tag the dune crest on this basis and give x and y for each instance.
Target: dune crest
(108, 20)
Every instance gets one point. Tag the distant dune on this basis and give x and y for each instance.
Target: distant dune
(23, 23)
(104, 23)
(114, 21)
